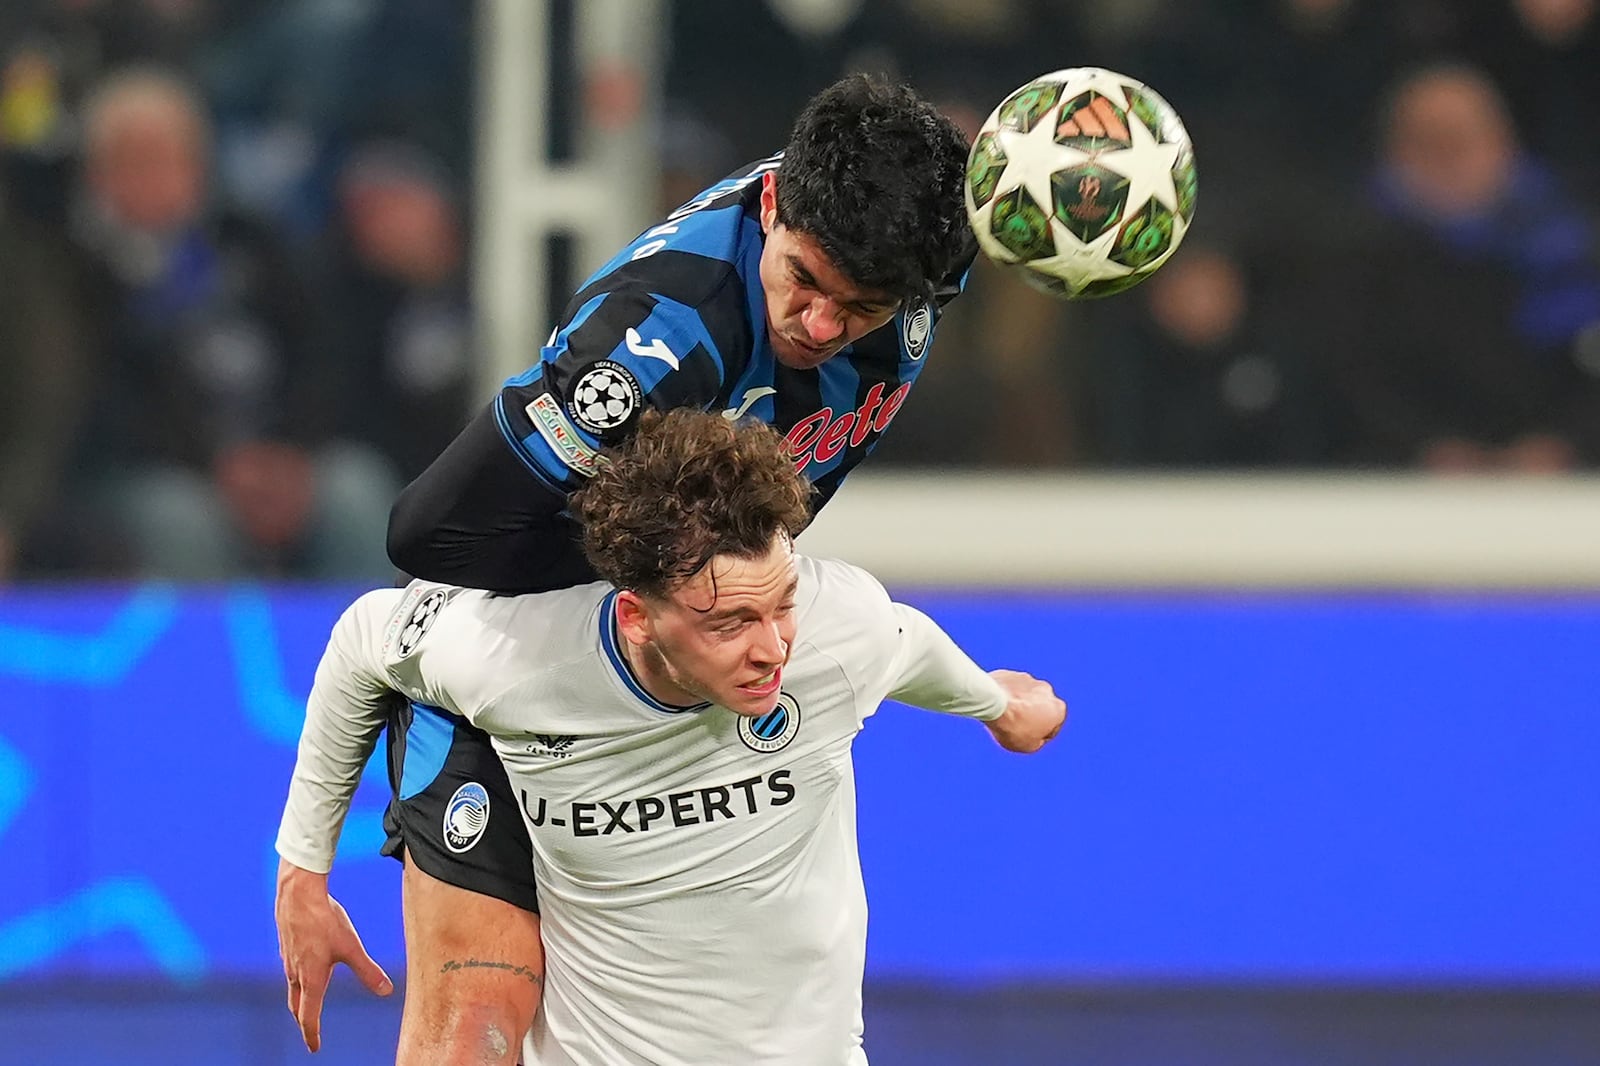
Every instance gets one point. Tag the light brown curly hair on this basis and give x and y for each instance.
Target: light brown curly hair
(687, 486)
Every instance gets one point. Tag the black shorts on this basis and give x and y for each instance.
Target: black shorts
(451, 807)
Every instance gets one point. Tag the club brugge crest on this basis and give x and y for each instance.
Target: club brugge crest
(772, 731)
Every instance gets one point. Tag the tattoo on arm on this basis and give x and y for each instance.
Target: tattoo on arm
(479, 964)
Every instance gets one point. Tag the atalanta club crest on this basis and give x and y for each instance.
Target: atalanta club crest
(916, 331)
(466, 816)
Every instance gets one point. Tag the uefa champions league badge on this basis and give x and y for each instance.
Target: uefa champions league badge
(774, 730)
(418, 620)
(466, 816)
(916, 329)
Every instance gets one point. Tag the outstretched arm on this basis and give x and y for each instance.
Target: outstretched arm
(490, 512)
(344, 715)
(480, 517)
(1021, 711)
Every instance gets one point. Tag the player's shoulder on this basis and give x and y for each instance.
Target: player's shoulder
(651, 314)
(821, 572)
(839, 603)
(697, 253)
(460, 637)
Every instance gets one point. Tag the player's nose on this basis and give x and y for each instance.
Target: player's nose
(823, 320)
(769, 648)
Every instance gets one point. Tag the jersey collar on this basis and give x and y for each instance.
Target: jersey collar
(619, 663)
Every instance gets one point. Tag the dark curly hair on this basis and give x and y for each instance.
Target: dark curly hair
(687, 486)
(874, 173)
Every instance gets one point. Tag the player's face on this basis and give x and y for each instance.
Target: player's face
(813, 310)
(723, 635)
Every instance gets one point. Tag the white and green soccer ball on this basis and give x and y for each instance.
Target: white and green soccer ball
(1083, 180)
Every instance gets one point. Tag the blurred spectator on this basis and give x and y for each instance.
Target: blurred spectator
(394, 323)
(53, 51)
(1000, 388)
(1546, 56)
(37, 128)
(295, 82)
(693, 155)
(1302, 106)
(1473, 294)
(204, 447)
(41, 338)
(1207, 368)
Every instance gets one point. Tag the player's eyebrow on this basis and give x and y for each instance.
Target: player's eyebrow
(873, 306)
(801, 274)
(715, 615)
(867, 305)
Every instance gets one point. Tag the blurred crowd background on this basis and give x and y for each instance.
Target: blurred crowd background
(236, 313)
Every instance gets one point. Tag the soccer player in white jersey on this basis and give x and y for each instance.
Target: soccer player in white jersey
(804, 291)
(678, 737)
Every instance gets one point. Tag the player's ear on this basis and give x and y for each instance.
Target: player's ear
(769, 201)
(633, 618)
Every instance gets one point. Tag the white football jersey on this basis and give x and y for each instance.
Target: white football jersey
(698, 876)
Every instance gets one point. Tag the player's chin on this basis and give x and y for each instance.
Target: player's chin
(796, 356)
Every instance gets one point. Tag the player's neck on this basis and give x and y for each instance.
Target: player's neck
(650, 671)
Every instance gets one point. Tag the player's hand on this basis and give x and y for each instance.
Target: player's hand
(1033, 716)
(314, 933)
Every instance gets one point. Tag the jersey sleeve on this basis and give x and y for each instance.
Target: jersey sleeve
(344, 716)
(930, 671)
(475, 517)
(894, 651)
(954, 283)
(621, 351)
(489, 513)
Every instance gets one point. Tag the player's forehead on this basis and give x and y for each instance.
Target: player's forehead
(804, 254)
(732, 584)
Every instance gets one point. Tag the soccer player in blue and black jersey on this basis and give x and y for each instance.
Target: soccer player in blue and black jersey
(803, 291)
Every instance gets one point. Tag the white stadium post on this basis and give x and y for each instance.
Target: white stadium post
(602, 197)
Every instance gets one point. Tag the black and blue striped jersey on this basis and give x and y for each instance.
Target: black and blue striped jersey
(678, 319)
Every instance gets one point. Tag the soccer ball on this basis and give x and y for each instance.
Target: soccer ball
(1083, 180)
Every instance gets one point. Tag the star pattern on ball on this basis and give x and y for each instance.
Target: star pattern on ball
(1079, 265)
(1094, 195)
(1147, 164)
(1035, 155)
